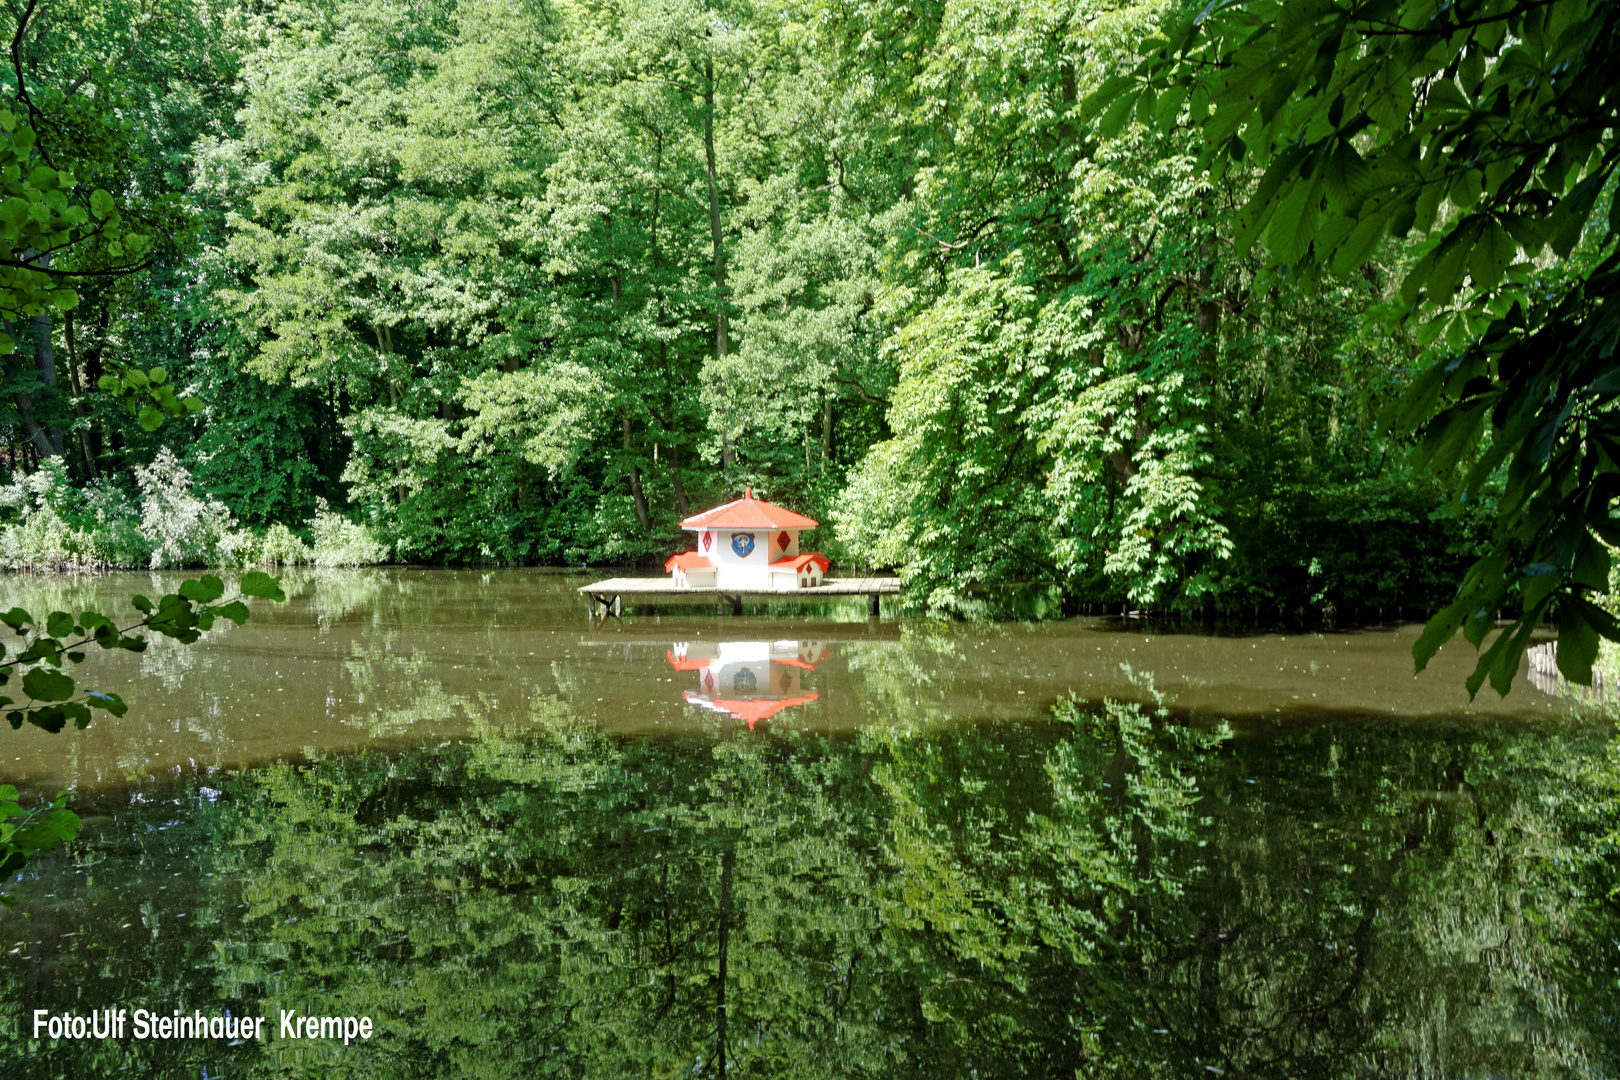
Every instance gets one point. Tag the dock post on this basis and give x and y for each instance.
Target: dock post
(872, 605)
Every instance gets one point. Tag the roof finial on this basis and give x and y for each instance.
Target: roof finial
(748, 492)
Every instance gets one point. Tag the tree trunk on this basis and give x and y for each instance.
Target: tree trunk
(728, 861)
(83, 437)
(92, 372)
(681, 503)
(33, 430)
(826, 430)
(721, 342)
(1208, 315)
(1124, 467)
(658, 174)
(635, 477)
(45, 368)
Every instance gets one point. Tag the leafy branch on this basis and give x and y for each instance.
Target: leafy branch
(1482, 131)
(25, 833)
(183, 616)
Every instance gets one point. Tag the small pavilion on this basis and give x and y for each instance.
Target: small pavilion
(748, 544)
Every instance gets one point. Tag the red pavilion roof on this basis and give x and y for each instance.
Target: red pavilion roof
(681, 663)
(748, 513)
(753, 710)
(687, 560)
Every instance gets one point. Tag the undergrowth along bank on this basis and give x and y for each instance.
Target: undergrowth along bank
(48, 524)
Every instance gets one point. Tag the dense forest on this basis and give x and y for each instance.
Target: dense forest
(524, 281)
(1261, 312)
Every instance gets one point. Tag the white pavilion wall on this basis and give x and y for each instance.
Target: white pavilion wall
(751, 571)
(733, 571)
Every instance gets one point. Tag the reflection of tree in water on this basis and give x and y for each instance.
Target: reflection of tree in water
(73, 592)
(908, 682)
(1102, 895)
(170, 662)
(377, 672)
(571, 892)
(1333, 903)
(127, 918)
(336, 593)
(1012, 903)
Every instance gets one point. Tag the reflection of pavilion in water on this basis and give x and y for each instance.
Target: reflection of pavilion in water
(751, 680)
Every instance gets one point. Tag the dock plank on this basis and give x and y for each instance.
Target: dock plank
(665, 587)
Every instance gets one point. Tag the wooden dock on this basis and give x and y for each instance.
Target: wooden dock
(607, 596)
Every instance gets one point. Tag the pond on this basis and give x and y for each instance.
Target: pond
(803, 843)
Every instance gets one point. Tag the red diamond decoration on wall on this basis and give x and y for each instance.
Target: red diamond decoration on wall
(708, 540)
(782, 539)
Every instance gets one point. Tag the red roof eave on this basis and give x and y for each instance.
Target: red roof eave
(752, 710)
(798, 562)
(748, 513)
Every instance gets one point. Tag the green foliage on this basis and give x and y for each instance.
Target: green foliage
(266, 451)
(25, 833)
(542, 415)
(516, 324)
(1484, 132)
(44, 213)
(1478, 127)
(523, 284)
(1545, 378)
(1097, 389)
(148, 395)
(936, 498)
(1356, 547)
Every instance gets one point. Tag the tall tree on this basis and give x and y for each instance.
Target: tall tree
(1096, 394)
(1485, 132)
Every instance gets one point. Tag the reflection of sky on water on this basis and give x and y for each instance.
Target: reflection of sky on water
(750, 680)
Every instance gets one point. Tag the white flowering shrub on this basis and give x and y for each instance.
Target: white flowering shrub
(115, 519)
(47, 524)
(43, 541)
(182, 529)
(341, 542)
(280, 546)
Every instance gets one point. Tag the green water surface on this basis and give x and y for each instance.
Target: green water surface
(803, 844)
